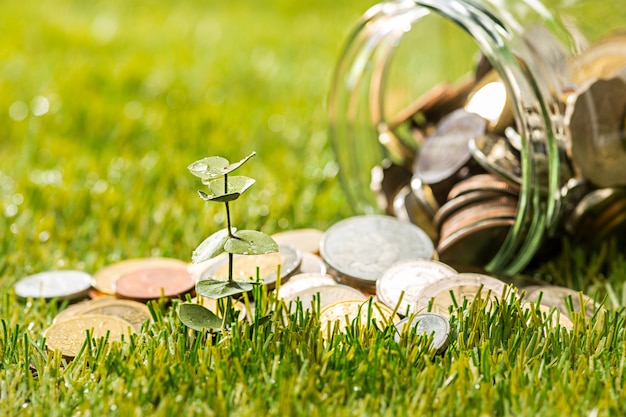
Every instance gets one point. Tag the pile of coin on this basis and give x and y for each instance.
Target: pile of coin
(363, 269)
(463, 153)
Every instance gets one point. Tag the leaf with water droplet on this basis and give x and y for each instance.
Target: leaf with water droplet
(198, 318)
(237, 185)
(209, 168)
(211, 246)
(250, 242)
(214, 288)
(236, 165)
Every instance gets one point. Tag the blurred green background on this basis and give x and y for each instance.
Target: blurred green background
(103, 105)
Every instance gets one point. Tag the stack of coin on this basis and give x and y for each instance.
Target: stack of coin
(472, 142)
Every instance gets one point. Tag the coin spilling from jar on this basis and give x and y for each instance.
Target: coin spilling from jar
(371, 270)
(470, 156)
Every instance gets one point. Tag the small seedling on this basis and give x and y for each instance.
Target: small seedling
(214, 172)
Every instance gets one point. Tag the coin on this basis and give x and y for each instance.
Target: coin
(550, 313)
(154, 281)
(603, 59)
(407, 207)
(341, 314)
(133, 312)
(312, 264)
(470, 199)
(475, 244)
(62, 285)
(104, 280)
(464, 285)
(304, 281)
(426, 324)
(489, 99)
(307, 240)
(68, 336)
(595, 124)
(288, 258)
(409, 277)
(70, 311)
(585, 221)
(324, 295)
(492, 152)
(483, 182)
(556, 296)
(213, 305)
(360, 248)
(447, 151)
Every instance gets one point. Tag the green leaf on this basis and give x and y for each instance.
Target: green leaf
(198, 318)
(211, 246)
(215, 166)
(216, 289)
(208, 168)
(237, 185)
(250, 242)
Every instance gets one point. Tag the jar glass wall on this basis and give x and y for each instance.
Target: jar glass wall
(545, 82)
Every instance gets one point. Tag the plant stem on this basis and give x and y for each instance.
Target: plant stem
(230, 231)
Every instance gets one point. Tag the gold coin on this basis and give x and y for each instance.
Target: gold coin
(465, 285)
(307, 240)
(547, 313)
(105, 279)
(131, 311)
(212, 304)
(343, 313)
(68, 336)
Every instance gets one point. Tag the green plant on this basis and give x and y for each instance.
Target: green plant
(214, 172)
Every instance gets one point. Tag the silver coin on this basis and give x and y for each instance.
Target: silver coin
(445, 152)
(555, 296)
(326, 295)
(63, 284)
(409, 277)
(362, 247)
(492, 152)
(595, 121)
(245, 266)
(427, 324)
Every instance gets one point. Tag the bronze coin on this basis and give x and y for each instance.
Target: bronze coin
(483, 182)
(476, 244)
(104, 280)
(468, 199)
(496, 208)
(152, 282)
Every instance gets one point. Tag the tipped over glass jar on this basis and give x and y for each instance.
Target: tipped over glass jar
(497, 126)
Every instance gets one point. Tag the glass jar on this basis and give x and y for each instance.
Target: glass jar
(495, 125)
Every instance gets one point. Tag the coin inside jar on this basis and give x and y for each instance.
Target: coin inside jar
(360, 248)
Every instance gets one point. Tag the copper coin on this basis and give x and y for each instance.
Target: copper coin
(360, 248)
(104, 280)
(447, 151)
(152, 282)
(288, 259)
(68, 336)
(62, 285)
(462, 286)
(476, 244)
(497, 208)
(483, 182)
(457, 204)
(407, 279)
(307, 240)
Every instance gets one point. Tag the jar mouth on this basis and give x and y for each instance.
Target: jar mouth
(370, 95)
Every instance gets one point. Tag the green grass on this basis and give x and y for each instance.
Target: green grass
(137, 91)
